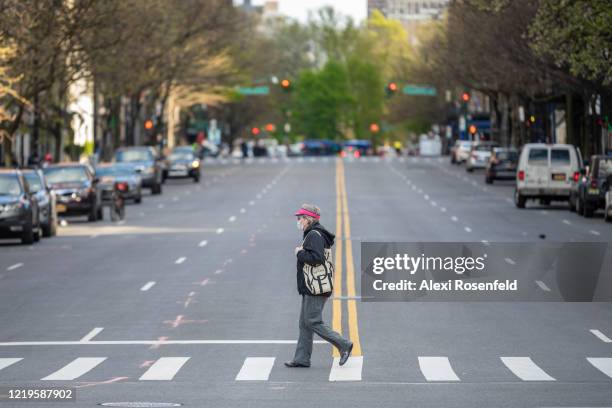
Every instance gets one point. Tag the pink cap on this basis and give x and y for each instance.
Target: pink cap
(303, 211)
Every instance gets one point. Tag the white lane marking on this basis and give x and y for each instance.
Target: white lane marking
(433, 203)
(242, 211)
(484, 241)
(220, 230)
(455, 219)
(75, 369)
(544, 212)
(525, 369)
(437, 369)
(510, 261)
(468, 229)
(542, 286)
(147, 286)
(93, 333)
(567, 222)
(93, 236)
(180, 260)
(596, 233)
(443, 209)
(602, 364)
(601, 336)
(203, 243)
(5, 362)
(15, 266)
(164, 369)
(350, 371)
(232, 218)
(145, 342)
(256, 369)
(426, 197)
(251, 202)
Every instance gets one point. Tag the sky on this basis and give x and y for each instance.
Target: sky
(299, 8)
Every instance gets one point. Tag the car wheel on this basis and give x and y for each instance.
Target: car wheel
(37, 234)
(607, 215)
(100, 213)
(156, 189)
(588, 210)
(27, 236)
(572, 205)
(579, 206)
(138, 199)
(519, 199)
(46, 229)
(469, 169)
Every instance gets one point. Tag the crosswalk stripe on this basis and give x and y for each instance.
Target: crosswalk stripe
(75, 368)
(525, 369)
(602, 364)
(5, 362)
(437, 369)
(351, 371)
(256, 369)
(165, 368)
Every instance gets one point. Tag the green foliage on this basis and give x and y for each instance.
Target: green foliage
(576, 34)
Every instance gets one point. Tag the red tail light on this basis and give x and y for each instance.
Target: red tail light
(122, 186)
(576, 176)
(357, 154)
(521, 175)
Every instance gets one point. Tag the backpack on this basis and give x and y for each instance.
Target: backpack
(320, 279)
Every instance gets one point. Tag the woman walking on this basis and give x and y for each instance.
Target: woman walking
(317, 241)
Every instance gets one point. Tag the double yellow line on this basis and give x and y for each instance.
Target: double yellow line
(343, 236)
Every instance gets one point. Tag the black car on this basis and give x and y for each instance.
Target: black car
(110, 174)
(76, 190)
(589, 191)
(18, 208)
(183, 163)
(501, 165)
(146, 162)
(45, 197)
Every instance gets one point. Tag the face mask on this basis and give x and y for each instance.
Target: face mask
(299, 225)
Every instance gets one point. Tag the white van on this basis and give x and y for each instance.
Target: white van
(546, 172)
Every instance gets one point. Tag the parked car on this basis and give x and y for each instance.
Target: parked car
(608, 208)
(19, 216)
(76, 189)
(45, 197)
(589, 192)
(110, 174)
(546, 172)
(146, 162)
(462, 151)
(501, 165)
(182, 163)
(479, 156)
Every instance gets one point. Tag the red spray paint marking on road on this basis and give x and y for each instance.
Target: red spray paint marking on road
(180, 319)
(93, 384)
(158, 343)
(203, 283)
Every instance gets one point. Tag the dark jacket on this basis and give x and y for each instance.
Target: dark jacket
(313, 252)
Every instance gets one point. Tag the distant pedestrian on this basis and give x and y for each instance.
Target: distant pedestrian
(314, 283)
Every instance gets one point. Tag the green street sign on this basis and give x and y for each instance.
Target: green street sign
(420, 90)
(258, 90)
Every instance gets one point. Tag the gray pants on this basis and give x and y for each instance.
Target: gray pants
(311, 321)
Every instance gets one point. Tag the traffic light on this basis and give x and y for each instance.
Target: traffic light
(374, 128)
(286, 85)
(391, 89)
(148, 125)
(465, 97)
(270, 127)
(255, 131)
(473, 129)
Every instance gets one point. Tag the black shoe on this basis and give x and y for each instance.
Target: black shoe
(293, 364)
(345, 355)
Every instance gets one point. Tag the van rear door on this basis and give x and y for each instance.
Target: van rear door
(561, 173)
(536, 172)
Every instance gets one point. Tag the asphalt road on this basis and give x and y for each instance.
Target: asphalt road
(192, 298)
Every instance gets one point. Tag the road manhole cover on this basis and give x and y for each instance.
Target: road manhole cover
(141, 404)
